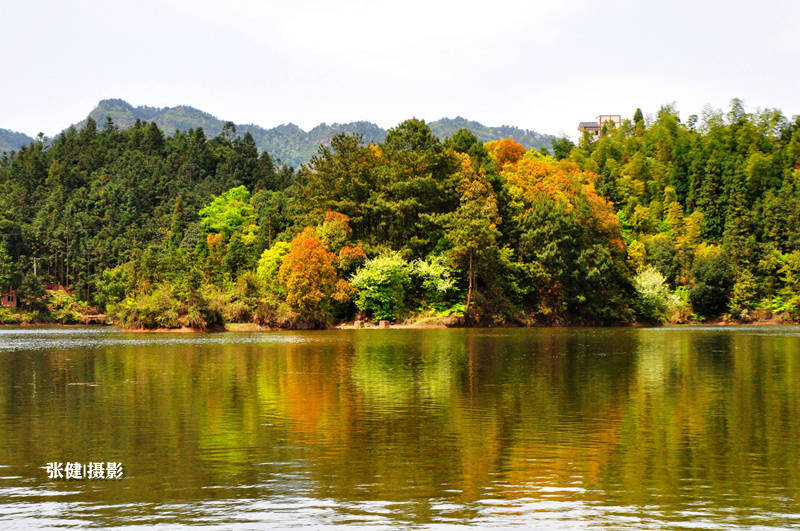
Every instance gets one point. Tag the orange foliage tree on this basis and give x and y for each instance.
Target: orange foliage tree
(506, 151)
(312, 284)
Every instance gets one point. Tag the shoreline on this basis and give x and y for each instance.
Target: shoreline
(349, 325)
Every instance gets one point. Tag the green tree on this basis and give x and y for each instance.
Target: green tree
(712, 271)
(472, 227)
(744, 296)
(6, 268)
(382, 285)
(562, 147)
(228, 212)
(268, 266)
(273, 212)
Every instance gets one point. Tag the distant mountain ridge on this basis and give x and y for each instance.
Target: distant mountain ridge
(288, 142)
(12, 140)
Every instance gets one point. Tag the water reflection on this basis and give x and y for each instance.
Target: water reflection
(620, 427)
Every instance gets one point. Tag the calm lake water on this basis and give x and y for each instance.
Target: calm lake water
(681, 427)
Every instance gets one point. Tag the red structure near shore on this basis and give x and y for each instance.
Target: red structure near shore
(9, 300)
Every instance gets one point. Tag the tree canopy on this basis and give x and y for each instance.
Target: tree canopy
(655, 219)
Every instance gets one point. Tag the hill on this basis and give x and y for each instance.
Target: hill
(288, 142)
(448, 126)
(12, 141)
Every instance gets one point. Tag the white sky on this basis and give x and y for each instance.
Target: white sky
(537, 65)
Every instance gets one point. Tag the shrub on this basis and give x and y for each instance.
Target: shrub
(114, 284)
(199, 315)
(708, 301)
(790, 274)
(382, 285)
(436, 282)
(785, 306)
(278, 314)
(7, 316)
(744, 296)
(64, 308)
(679, 309)
(653, 297)
(158, 309)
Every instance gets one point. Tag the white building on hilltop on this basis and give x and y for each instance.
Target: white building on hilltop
(595, 127)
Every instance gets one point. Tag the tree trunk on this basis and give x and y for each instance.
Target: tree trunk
(469, 290)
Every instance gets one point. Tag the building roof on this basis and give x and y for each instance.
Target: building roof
(589, 125)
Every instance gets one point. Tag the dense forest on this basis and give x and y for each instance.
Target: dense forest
(657, 220)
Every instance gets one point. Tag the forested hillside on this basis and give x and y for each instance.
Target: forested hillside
(529, 139)
(12, 141)
(657, 220)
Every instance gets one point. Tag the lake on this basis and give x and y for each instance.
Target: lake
(565, 427)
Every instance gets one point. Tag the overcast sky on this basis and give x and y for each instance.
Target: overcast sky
(537, 65)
